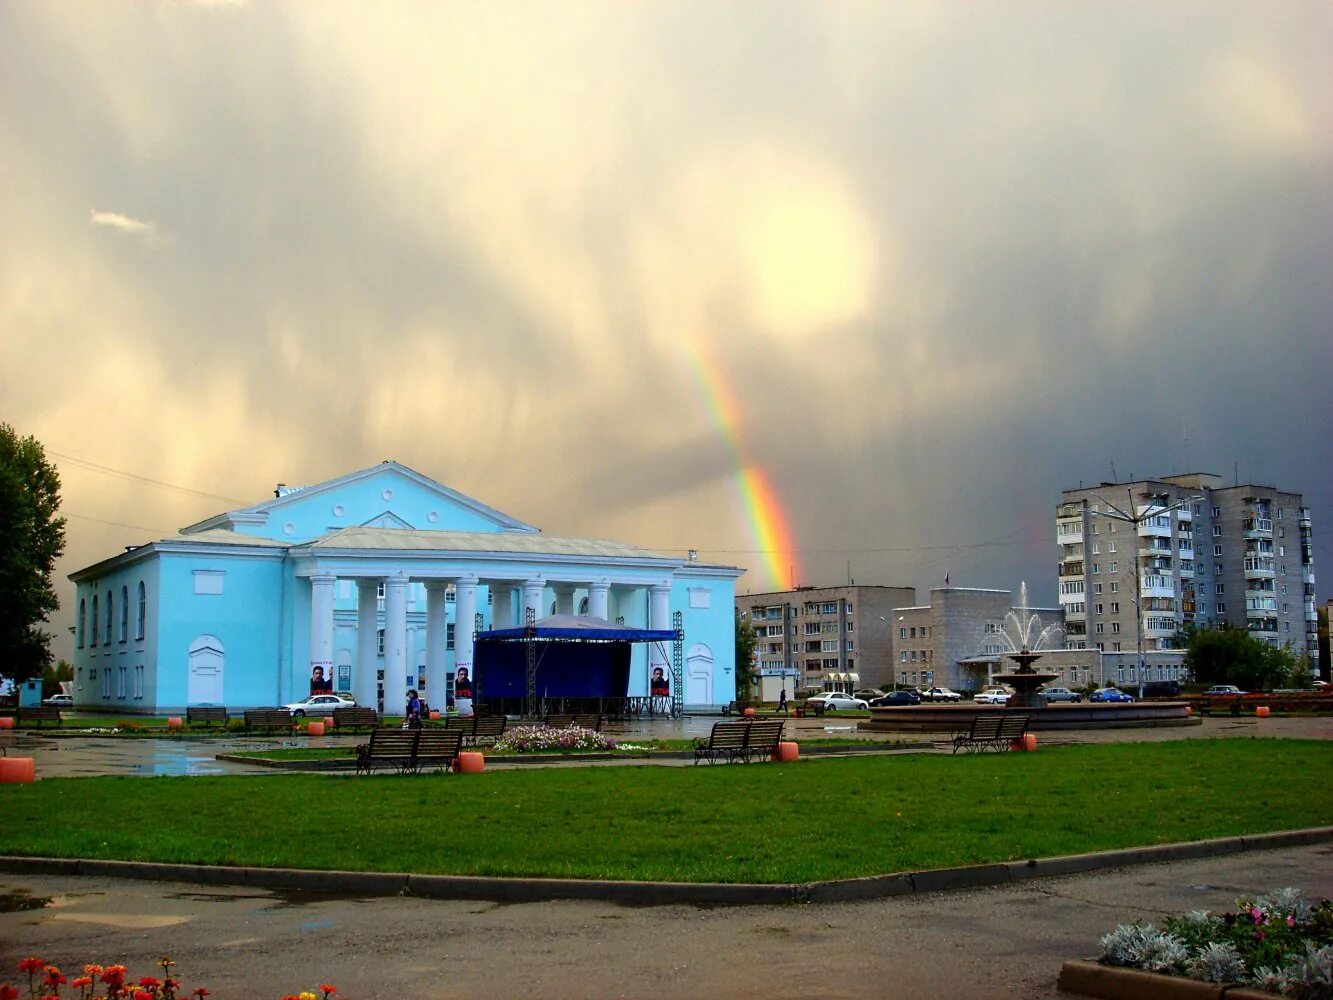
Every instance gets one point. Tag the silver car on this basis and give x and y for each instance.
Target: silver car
(319, 704)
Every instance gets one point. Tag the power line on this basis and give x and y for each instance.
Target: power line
(115, 524)
(135, 477)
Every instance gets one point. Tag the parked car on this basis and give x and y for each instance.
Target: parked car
(1109, 694)
(1060, 694)
(1160, 689)
(834, 700)
(319, 704)
(991, 696)
(60, 701)
(867, 693)
(1222, 690)
(940, 694)
(896, 698)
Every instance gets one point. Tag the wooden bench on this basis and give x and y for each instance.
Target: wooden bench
(268, 718)
(743, 741)
(475, 728)
(812, 708)
(206, 715)
(437, 748)
(355, 717)
(39, 714)
(583, 720)
(991, 731)
(388, 746)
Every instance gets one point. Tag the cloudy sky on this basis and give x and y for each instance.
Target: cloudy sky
(948, 260)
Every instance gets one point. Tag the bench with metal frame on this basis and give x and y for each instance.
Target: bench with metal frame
(408, 751)
(991, 731)
(583, 720)
(743, 741)
(39, 714)
(355, 716)
(269, 718)
(475, 728)
(206, 715)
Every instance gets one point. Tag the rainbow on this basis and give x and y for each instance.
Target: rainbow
(768, 525)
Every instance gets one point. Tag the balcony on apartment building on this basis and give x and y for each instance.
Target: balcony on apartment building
(1262, 626)
(1311, 615)
(1260, 568)
(1070, 569)
(1303, 517)
(1156, 527)
(1159, 628)
(1257, 527)
(1157, 585)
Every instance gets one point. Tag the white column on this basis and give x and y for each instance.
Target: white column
(598, 592)
(564, 598)
(659, 617)
(367, 643)
(321, 626)
(465, 614)
(396, 676)
(532, 598)
(502, 605)
(436, 642)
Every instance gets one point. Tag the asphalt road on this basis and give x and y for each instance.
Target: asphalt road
(999, 942)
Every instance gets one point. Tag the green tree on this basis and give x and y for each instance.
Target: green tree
(1233, 656)
(745, 644)
(1325, 666)
(53, 675)
(32, 537)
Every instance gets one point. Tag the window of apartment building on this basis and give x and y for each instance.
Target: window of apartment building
(850, 607)
(1096, 588)
(1282, 550)
(1112, 569)
(1120, 674)
(1279, 513)
(850, 645)
(1115, 607)
(1217, 568)
(1217, 531)
(1286, 626)
(1115, 627)
(1101, 646)
(1094, 527)
(902, 633)
(1115, 587)
(1217, 550)
(1281, 532)
(1099, 628)
(1217, 512)
(1203, 607)
(1110, 547)
(1115, 647)
(912, 632)
(1219, 588)
(1221, 608)
(902, 656)
(851, 626)
(1096, 549)
(1096, 567)
(1099, 609)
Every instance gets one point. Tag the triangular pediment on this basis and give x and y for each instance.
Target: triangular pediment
(388, 519)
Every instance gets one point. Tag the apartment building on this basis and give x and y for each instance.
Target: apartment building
(1191, 551)
(825, 638)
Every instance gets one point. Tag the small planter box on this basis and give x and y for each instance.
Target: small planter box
(1110, 982)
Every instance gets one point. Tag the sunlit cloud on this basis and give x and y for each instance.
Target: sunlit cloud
(123, 223)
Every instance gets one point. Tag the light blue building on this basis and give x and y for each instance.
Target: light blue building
(379, 578)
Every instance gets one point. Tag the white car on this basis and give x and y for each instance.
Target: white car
(834, 700)
(940, 694)
(60, 701)
(992, 696)
(319, 704)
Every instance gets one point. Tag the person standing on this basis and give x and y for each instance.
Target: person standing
(412, 717)
(782, 703)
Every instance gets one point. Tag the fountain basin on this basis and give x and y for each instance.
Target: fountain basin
(953, 718)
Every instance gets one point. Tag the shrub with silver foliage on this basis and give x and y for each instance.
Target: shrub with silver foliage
(1310, 977)
(1218, 962)
(1144, 947)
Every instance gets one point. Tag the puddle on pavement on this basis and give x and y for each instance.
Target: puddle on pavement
(20, 902)
(127, 921)
(277, 898)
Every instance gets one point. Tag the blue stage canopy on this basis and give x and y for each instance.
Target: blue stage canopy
(578, 627)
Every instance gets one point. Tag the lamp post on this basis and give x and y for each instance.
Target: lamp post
(1135, 519)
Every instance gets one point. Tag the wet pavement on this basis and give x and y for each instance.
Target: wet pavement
(1002, 941)
(68, 756)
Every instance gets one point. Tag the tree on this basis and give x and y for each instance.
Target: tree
(746, 641)
(1324, 665)
(1233, 656)
(32, 538)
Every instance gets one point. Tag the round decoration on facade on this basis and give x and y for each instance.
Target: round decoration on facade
(339, 510)
(433, 516)
(288, 528)
(387, 494)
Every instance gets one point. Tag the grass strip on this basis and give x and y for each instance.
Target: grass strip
(758, 823)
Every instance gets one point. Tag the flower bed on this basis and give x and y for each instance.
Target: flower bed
(530, 739)
(1279, 942)
(113, 982)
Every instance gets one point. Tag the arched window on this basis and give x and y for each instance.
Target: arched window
(83, 609)
(583, 606)
(92, 623)
(106, 632)
(143, 610)
(124, 614)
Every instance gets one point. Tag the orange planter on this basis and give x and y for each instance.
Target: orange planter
(6, 722)
(748, 711)
(17, 770)
(328, 723)
(434, 713)
(315, 729)
(1027, 743)
(174, 722)
(787, 751)
(470, 762)
(1189, 710)
(1261, 711)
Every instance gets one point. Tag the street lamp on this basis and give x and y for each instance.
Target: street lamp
(1136, 519)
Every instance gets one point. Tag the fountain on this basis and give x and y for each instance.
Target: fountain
(1024, 650)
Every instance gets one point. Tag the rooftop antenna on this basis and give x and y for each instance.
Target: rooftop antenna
(1235, 473)
(1114, 477)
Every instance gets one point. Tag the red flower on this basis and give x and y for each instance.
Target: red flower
(149, 982)
(201, 992)
(81, 981)
(31, 965)
(142, 995)
(114, 975)
(53, 977)
(8, 992)
(328, 990)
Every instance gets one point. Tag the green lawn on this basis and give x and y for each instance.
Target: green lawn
(761, 822)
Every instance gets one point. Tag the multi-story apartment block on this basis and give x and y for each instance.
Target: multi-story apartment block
(1199, 552)
(825, 638)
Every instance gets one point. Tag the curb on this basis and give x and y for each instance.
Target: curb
(1108, 982)
(533, 890)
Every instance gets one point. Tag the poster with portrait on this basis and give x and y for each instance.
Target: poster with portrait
(321, 677)
(463, 690)
(659, 688)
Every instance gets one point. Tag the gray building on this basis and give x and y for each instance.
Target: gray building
(1237, 555)
(825, 638)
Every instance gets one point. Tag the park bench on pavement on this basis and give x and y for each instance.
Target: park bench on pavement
(268, 718)
(206, 715)
(39, 714)
(354, 717)
(437, 748)
(583, 720)
(812, 708)
(475, 728)
(991, 731)
(743, 741)
(407, 751)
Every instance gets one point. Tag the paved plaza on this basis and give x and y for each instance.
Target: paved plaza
(999, 942)
(82, 756)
